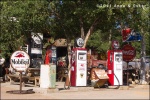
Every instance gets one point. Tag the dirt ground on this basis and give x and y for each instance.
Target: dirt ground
(136, 92)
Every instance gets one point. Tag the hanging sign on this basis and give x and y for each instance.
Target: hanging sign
(129, 52)
(37, 39)
(125, 33)
(20, 60)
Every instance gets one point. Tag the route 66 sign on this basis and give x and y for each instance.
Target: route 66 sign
(79, 42)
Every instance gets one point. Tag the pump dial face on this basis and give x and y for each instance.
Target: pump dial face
(80, 42)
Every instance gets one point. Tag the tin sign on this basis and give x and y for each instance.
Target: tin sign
(125, 33)
(20, 60)
(129, 52)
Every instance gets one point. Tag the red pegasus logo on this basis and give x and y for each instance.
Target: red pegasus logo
(82, 65)
(19, 55)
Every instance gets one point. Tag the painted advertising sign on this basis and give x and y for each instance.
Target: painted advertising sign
(60, 42)
(20, 60)
(36, 43)
(129, 52)
(125, 34)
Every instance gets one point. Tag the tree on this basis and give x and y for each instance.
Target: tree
(18, 20)
(86, 17)
(70, 19)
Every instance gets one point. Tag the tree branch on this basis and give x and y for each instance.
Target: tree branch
(90, 31)
(81, 27)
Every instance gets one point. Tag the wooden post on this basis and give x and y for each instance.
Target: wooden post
(20, 81)
(127, 74)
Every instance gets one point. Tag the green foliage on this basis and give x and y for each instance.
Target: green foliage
(64, 20)
(18, 19)
(98, 42)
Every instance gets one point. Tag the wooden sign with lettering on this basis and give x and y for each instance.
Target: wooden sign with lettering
(60, 42)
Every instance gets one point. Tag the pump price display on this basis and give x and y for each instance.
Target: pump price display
(82, 56)
(20, 60)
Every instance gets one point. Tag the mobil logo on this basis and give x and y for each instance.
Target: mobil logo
(20, 60)
(82, 65)
(19, 55)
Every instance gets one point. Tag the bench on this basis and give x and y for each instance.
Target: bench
(33, 74)
(36, 79)
(16, 77)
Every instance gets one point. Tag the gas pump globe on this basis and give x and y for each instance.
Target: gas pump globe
(115, 65)
(79, 64)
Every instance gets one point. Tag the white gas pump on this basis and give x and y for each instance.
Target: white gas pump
(115, 65)
(79, 65)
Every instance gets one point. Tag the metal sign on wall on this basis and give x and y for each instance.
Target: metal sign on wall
(36, 47)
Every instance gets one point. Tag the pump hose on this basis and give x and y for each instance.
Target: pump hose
(117, 85)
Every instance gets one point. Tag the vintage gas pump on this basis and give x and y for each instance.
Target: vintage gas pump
(115, 65)
(50, 56)
(48, 70)
(79, 65)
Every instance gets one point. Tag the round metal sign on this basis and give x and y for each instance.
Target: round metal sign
(115, 44)
(129, 52)
(20, 60)
(79, 42)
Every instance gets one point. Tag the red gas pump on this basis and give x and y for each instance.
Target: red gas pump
(79, 66)
(114, 64)
(50, 56)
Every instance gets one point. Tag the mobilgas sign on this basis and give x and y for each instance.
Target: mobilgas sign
(20, 60)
